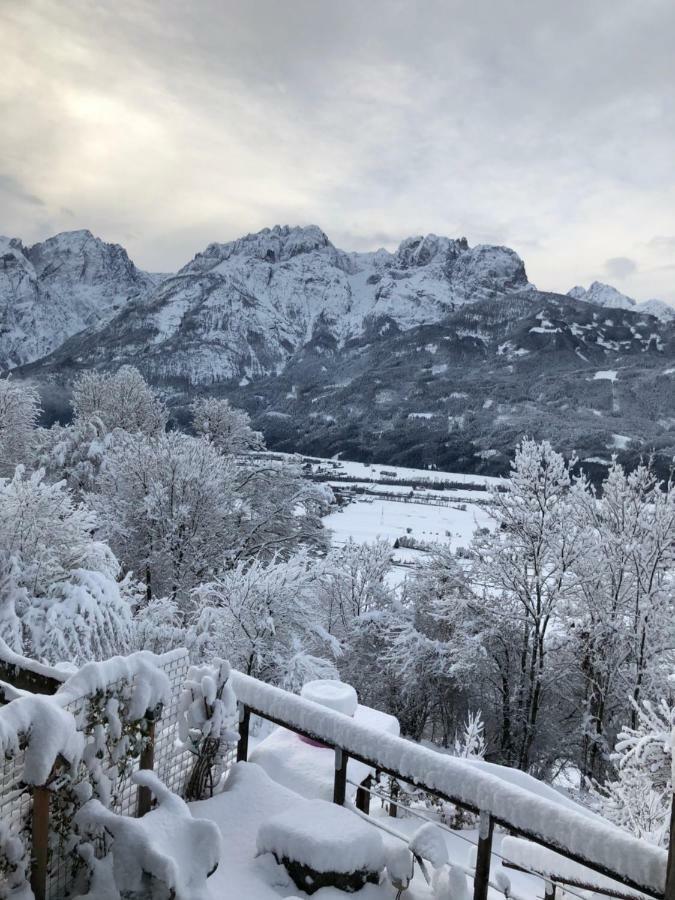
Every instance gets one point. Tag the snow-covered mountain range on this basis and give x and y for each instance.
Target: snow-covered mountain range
(606, 295)
(241, 309)
(57, 288)
(436, 345)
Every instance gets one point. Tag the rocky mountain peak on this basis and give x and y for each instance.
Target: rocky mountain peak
(605, 295)
(271, 245)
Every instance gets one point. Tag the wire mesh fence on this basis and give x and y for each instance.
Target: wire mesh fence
(172, 764)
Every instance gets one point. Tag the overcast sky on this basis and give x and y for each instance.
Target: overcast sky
(164, 125)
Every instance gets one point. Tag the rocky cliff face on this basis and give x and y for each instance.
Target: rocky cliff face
(54, 289)
(240, 310)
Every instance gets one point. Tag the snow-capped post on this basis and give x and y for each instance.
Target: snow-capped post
(40, 830)
(40, 838)
(481, 879)
(670, 867)
(147, 761)
(340, 783)
(244, 722)
(549, 890)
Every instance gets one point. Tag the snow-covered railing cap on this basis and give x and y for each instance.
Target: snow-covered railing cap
(45, 731)
(150, 685)
(589, 841)
(28, 674)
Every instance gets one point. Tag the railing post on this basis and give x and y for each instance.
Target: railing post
(549, 890)
(670, 866)
(40, 836)
(394, 791)
(482, 877)
(244, 722)
(363, 795)
(340, 783)
(147, 761)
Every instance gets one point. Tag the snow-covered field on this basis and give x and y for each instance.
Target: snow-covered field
(366, 518)
(365, 521)
(376, 472)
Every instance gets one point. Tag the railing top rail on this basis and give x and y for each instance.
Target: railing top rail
(581, 838)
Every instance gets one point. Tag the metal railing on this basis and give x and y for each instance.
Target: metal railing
(609, 852)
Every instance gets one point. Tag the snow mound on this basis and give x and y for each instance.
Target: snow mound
(429, 843)
(167, 843)
(324, 837)
(334, 694)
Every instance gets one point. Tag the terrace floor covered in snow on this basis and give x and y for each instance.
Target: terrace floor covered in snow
(251, 798)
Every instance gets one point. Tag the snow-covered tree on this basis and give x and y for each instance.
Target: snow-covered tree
(19, 413)
(60, 598)
(278, 510)
(259, 614)
(522, 567)
(228, 428)
(74, 453)
(639, 798)
(120, 400)
(470, 743)
(353, 582)
(621, 623)
(167, 505)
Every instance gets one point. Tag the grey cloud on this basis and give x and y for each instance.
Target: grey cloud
(620, 267)
(10, 186)
(663, 242)
(178, 124)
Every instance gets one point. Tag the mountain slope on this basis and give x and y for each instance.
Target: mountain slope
(460, 393)
(608, 296)
(54, 289)
(240, 310)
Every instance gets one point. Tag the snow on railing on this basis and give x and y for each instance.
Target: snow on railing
(590, 842)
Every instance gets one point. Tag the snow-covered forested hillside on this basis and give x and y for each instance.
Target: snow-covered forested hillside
(537, 604)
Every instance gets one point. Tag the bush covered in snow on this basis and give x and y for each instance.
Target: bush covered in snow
(207, 723)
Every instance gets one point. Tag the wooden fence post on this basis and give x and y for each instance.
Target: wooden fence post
(147, 761)
(670, 866)
(40, 835)
(244, 722)
(482, 877)
(340, 783)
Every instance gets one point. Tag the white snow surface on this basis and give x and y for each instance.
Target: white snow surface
(150, 684)
(428, 842)
(546, 862)
(591, 840)
(47, 730)
(605, 375)
(323, 836)
(167, 842)
(309, 770)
